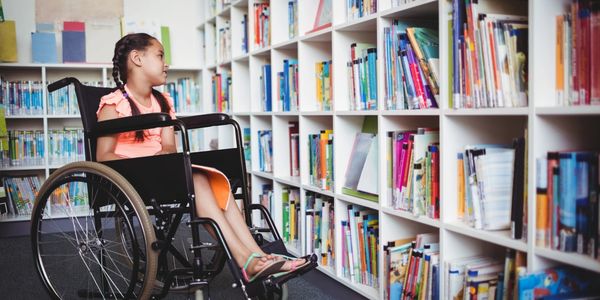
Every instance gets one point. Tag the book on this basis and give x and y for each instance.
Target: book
(323, 16)
(73, 45)
(43, 47)
(8, 41)
(294, 146)
(165, 39)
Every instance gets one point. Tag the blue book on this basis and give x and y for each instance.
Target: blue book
(266, 74)
(43, 47)
(286, 86)
(582, 204)
(567, 201)
(73, 43)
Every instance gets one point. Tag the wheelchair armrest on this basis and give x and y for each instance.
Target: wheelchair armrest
(205, 120)
(139, 122)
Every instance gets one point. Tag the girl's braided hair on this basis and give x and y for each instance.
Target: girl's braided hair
(133, 41)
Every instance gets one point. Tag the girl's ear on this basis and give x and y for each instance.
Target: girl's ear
(135, 57)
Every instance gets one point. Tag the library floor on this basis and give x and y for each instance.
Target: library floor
(18, 279)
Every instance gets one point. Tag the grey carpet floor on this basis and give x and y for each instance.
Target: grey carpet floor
(19, 279)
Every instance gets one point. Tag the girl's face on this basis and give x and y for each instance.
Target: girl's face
(153, 63)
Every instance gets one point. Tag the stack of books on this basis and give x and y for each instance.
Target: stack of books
(26, 147)
(362, 76)
(359, 230)
(319, 228)
(324, 85)
(567, 202)
(262, 24)
(490, 53)
(21, 193)
(413, 164)
(287, 81)
(265, 150)
(320, 159)
(21, 97)
(290, 199)
(65, 146)
(411, 67)
(578, 55)
(411, 268)
(221, 91)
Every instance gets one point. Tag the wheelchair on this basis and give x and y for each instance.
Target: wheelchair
(128, 229)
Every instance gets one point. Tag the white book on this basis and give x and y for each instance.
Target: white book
(369, 177)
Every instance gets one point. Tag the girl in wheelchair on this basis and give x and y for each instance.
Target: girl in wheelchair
(138, 66)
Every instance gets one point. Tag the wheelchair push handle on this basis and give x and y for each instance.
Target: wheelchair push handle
(62, 83)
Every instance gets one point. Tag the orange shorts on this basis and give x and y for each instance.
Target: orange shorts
(218, 183)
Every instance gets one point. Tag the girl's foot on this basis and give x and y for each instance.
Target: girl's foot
(260, 266)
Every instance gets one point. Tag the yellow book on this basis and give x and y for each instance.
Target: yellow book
(319, 81)
(560, 84)
(8, 41)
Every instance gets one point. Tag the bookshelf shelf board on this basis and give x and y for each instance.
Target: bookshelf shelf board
(184, 68)
(410, 216)
(419, 8)
(289, 44)
(412, 112)
(240, 3)
(225, 12)
(188, 114)
(501, 238)
(63, 116)
(517, 111)
(261, 51)
(263, 113)
(24, 168)
(225, 64)
(16, 117)
(318, 190)
(568, 110)
(14, 218)
(317, 113)
(289, 180)
(241, 114)
(365, 290)
(241, 58)
(263, 174)
(356, 112)
(358, 201)
(366, 23)
(90, 66)
(327, 271)
(574, 259)
(286, 113)
(319, 36)
(21, 65)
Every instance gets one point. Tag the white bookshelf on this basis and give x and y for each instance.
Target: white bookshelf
(549, 127)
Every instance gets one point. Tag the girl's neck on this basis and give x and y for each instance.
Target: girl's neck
(141, 92)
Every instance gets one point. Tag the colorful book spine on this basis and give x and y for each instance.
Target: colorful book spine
(21, 193)
(21, 97)
(185, 93)
(224, 46)
(262, 28)
(221, 91)
(362, 77)
(288, 85)
(320, 228)
(265, 88)
(321, 159)
(324, 85)
(360, 227)
(292, 18)
(265, 150)
(359, 8)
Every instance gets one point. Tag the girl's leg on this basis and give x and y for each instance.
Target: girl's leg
(207, 207)
(236, 220)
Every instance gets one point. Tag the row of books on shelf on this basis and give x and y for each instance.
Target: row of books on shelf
(221, 91)
(265, 151)
(567, 214)
(265, 88)
(294, 137)
(324, 80)
(361, 177)
(20, 195)
(411, 64)
(287, 85)
(262, 24)
(320, 228)
(359, 8)
(413, 178)
(411, 268)
(185, 93)
(359, 230)
(290, 216)
(292, 18)
(64, 101)
(320, 159)
(578, 55)
(195, 140)
(362, 76)
(489, 54)
(21, 97)
(26, 147)
(492, 192)
(224, 42)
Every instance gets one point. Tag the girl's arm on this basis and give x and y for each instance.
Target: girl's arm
(106, 145)
(167, 137)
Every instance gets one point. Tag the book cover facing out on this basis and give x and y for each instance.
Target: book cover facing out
(43, 47)
(73, 46)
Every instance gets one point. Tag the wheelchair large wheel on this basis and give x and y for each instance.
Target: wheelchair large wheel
(76, 250)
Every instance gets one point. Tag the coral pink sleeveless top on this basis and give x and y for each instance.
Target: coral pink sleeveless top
(128, 147)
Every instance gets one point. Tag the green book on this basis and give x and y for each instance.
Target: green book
(285, 201)
(165, 37)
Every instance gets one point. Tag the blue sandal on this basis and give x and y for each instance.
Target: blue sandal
(273, 268)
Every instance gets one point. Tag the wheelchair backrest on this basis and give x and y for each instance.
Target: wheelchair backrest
(88, 99)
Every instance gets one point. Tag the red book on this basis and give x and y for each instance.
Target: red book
(575, 52)
(73, 26)
(293, 129)
(583, 61)
(595, 53)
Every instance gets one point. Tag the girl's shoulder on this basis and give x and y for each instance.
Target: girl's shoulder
(116, 98)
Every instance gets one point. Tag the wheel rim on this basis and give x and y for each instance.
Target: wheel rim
(77, 259)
